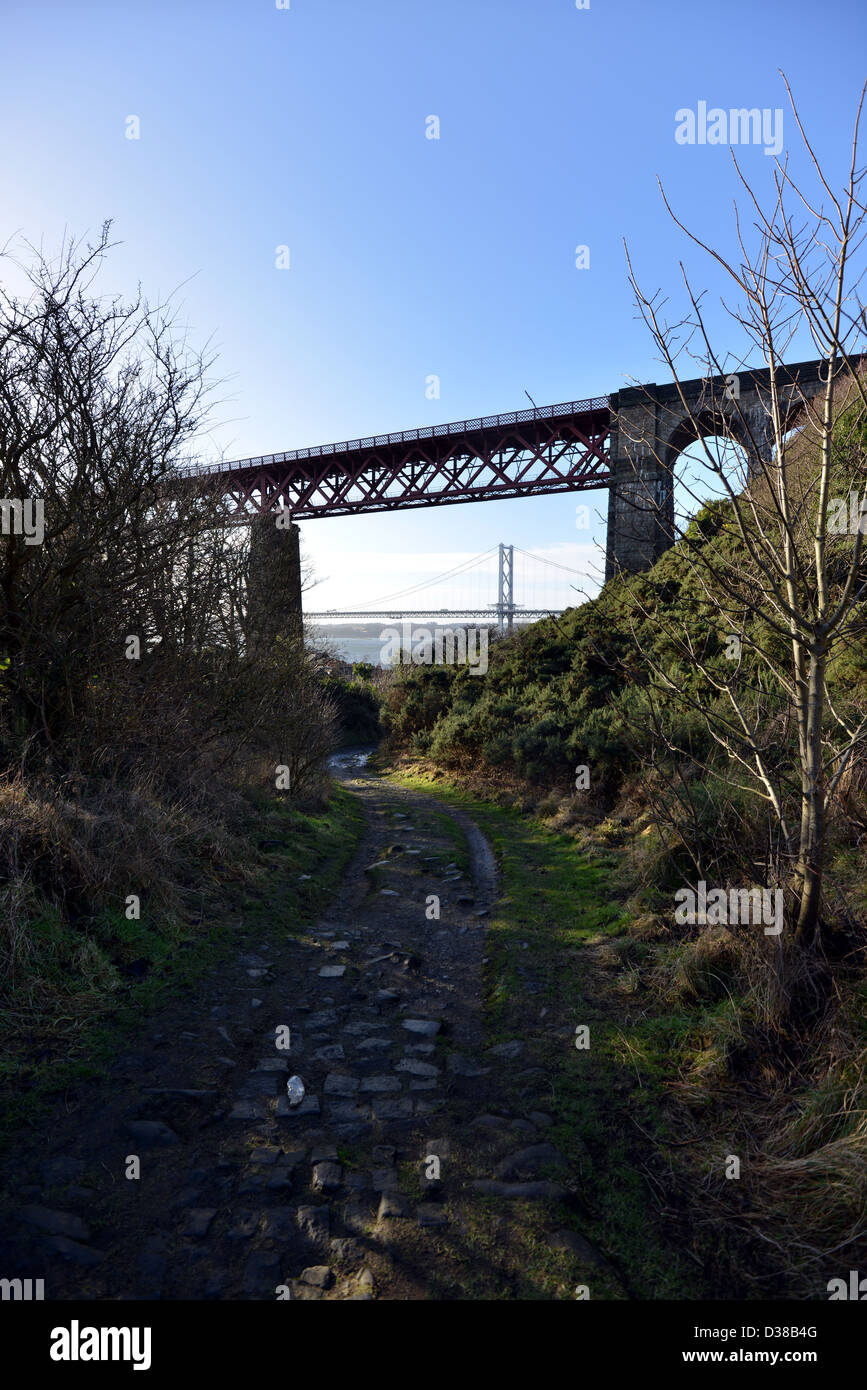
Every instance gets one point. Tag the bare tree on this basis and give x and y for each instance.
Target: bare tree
(767, 551)
(97, 405)
(124, 625)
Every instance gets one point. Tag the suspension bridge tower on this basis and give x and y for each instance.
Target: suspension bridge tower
(505, 590)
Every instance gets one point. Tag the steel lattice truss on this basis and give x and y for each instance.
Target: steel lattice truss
(550, 449)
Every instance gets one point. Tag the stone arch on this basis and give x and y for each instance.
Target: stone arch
(706, 423)
(703, 425)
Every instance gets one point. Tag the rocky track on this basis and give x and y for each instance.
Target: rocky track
(357, 1192)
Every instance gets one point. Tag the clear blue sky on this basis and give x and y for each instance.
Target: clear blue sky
(305, 127)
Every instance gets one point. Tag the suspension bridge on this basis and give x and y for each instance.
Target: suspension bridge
(529, 576)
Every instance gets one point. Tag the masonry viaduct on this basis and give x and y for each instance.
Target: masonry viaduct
(651, 425)
(627, 442)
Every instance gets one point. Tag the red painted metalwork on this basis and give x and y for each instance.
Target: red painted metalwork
(550, 449)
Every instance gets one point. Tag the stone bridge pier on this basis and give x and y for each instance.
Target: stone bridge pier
(651, 426)
(273, 582)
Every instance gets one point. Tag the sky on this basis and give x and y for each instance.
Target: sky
(306, 127)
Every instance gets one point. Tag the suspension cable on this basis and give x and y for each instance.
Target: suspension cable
(428, 583)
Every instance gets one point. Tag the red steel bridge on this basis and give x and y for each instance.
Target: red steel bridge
(549, 449)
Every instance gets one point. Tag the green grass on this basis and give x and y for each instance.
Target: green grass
(429, 820)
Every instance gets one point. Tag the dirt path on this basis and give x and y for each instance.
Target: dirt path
(390, 1179)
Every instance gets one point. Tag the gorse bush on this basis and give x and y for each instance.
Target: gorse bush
(357, 705)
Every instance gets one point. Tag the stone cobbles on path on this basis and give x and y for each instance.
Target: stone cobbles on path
(393, 1206)
(425, 1027)
(151, 1133)
(530, 1161)
(363, 1064)
(56, 1223)
(513, 1191)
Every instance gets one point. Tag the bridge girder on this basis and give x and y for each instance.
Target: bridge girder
(550, 449)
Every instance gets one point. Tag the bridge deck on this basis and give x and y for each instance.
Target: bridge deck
(489, 612)
(548, 449)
